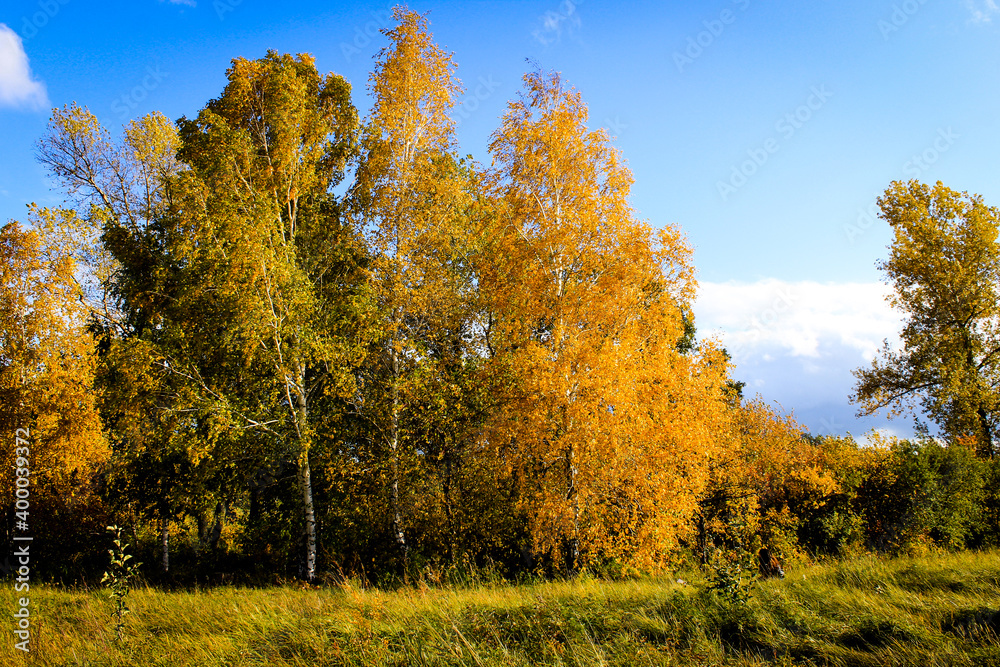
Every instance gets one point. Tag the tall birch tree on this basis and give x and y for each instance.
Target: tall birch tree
(409, 194)
(256, 223)
(613, 428)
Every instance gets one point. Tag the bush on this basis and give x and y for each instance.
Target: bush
(922, 492)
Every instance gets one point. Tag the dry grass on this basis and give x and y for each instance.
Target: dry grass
(934, 610)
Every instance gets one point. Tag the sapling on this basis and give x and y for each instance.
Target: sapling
(119, 577)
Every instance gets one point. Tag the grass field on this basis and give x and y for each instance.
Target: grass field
(935, 610)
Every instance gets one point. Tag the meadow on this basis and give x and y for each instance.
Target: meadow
(937, 609)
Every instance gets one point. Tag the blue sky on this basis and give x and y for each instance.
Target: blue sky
(766, 130)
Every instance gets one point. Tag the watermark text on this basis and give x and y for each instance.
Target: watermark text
(22, 541)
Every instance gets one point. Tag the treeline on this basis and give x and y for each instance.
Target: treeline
(830, 496)
(277, 339)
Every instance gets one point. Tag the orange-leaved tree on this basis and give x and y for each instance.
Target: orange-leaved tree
(766, 478)
(612, 427)
(47, 366)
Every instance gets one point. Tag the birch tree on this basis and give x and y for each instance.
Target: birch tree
(256, 225)
(235, 277)
(613, 427)
(409, 194)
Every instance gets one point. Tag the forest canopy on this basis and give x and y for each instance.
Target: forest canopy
(277, 338)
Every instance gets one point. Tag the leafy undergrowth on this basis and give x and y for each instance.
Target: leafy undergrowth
(935, 610)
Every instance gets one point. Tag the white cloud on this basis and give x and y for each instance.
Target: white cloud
(982, 11)
(189, 3)
(795, 318)
(553, 22)
(796, 343)
(17, 88)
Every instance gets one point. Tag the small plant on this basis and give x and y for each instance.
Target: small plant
(119, 577)
(732, 577)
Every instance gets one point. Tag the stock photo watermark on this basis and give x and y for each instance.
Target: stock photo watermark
(615, 126)
(553, 22)
(22, 541)
(914, 168)
(47, 10)
(470, 103)
(786, 127)
(783, 302)
(714, 28)
(922, 161)
(363, 35)
(223, 7)
(901, 14)
(866, 218)
(126, 104)
(830, 427)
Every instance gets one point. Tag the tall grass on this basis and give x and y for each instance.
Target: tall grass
(933, 610)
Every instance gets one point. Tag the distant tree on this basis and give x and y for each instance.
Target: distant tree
(917, 492)
(944, 265)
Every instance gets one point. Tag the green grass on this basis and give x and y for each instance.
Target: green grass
(935, 610)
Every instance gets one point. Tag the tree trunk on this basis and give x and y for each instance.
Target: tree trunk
(986, 437)
(397, 515)
(984, 423)
(305, 482)
(702, 539)
(449, 517)
(305, 475)
(573, 496)
(165, 542)
(220, 518)
(253, 514)
(202, 535)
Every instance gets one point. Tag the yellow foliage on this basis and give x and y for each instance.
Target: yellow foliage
(610, 428)
(944, 266)
(47, 363)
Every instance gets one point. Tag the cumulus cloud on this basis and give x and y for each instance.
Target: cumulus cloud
(796, 343)
(17, 88)
(797, 318)
(982, 11)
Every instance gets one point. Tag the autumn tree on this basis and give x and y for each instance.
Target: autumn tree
(753, 467)
(271, 268)
(47, 368)
(119, 196)
(411, 194)
(613, 426)
(944, 266)
(115, 187)
(235, 276)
